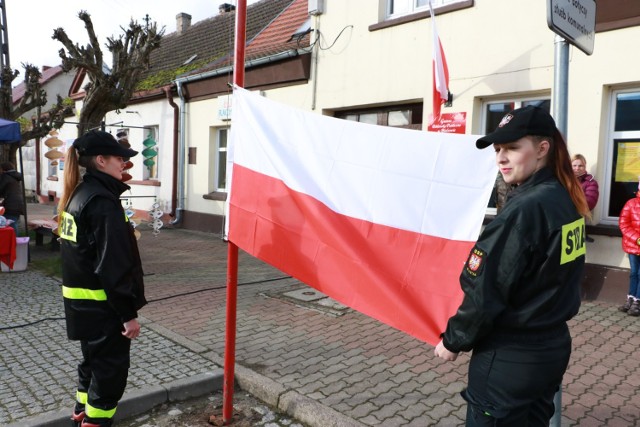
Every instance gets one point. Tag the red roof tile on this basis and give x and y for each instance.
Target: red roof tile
(49, 73)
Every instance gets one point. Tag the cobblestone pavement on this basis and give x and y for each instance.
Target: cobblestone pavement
(318, 362)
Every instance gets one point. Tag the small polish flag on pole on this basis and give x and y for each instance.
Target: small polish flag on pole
(440, 70)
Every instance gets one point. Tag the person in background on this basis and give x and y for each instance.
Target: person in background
(11, 192)
(521, 282)
(629, 223)
(587, 182)
(102, 283)
(502, 192)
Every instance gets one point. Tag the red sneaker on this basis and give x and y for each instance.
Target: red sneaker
(77, 418)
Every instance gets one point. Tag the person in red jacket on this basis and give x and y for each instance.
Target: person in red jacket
(629, 224)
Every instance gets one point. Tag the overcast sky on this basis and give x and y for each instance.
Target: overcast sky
(31, 23)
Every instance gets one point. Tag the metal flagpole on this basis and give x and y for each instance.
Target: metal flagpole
(232, 249)
(560, 102)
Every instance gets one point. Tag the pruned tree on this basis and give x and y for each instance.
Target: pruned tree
(112, 89)
(34, 98)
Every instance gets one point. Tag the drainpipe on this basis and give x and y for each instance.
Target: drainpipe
(174, 178)
(38, 173)
(181, 145)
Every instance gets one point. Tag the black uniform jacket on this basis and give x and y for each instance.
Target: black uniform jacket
(101, 269)
(11, 192)
(523, 275)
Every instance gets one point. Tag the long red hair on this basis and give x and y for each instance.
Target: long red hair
(559, 161)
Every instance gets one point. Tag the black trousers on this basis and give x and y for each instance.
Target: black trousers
(512, 380)
(103, 373)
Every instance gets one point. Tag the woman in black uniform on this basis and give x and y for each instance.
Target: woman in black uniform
(521, 282)
(102, 281)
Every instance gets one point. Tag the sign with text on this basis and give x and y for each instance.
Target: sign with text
(575, 20)
(224, 107)
(449, 123)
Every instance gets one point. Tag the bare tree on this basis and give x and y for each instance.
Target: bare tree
(34, 98)
(108, 90)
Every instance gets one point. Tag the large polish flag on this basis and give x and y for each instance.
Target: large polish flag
(380, 219)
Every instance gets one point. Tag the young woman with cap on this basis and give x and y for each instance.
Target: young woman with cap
(102, 281)
(521, 282)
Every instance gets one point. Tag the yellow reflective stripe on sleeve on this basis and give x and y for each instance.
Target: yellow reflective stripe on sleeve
(93, 412)
(573, 235)
(67, 229)
(80, 293)
(81, 397)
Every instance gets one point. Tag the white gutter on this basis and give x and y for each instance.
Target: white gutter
(181, 148)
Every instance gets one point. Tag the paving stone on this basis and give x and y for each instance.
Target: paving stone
(352, 364)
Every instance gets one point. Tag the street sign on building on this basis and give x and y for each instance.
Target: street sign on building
(575, 20)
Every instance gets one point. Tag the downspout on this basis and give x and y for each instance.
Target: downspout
(181, 140)
(174, 178)
(38, 173)
(181, 145)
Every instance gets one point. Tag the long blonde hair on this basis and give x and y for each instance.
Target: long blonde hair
(72, 176)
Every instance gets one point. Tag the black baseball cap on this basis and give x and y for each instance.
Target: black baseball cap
(96, 142)
(529, 120)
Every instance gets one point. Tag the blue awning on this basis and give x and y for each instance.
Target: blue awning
(9, 132)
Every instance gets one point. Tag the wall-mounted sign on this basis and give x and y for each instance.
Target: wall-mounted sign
(575, 20)
(224, 107)
(449, 123)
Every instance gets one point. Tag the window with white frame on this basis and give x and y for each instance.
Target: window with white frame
(623, 152)
(218, 159)
(397, 8)
(492, 114)
(150, 152)
(404, 116)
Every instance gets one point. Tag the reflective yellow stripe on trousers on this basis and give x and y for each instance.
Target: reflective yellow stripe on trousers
(88, 294)
(81, 397)
(93, 412)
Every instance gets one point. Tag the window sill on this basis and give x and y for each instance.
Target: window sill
(420, 15)
(220, 196)
(151, 182)
(592, 230)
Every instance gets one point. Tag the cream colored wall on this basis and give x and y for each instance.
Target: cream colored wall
(201, 117)
(394, 64)
(495, 50)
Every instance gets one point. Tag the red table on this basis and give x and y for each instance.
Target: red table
(7, 246)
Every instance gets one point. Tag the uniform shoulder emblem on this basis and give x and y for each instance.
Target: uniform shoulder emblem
(475, 262)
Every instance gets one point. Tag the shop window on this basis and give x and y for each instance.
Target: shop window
(624, 152)
(494, 111)
(404, 116)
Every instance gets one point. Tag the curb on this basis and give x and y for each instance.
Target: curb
(292, 403)
(139, 401)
